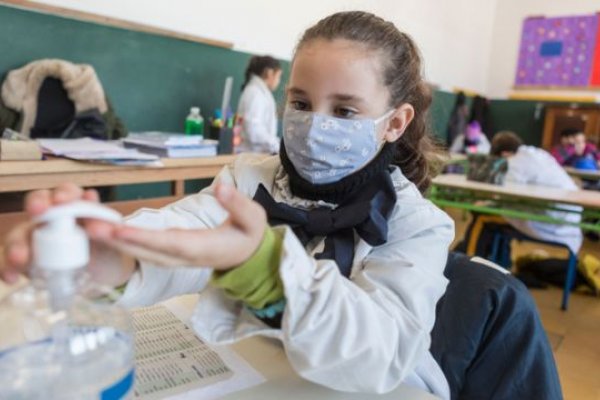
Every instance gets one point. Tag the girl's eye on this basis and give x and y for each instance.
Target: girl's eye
(299, 105)
(344, 112)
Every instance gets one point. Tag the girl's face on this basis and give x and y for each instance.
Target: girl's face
(272, 77)
(343, 79)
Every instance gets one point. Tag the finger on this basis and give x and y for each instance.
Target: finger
(67, 192)
(91, 195)
(99, 230)
(17, 251)
(243, 212)
(38, 201)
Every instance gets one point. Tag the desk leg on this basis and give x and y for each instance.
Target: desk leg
(178, 188)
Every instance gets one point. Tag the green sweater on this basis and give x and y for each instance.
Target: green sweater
(256, 282)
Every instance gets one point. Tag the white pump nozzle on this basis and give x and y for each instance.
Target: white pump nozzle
(61, 244)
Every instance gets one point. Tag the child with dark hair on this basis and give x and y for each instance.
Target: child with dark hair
(563, 151)
(585, 154)
(257, 110)
(339, 256)
(472, 141)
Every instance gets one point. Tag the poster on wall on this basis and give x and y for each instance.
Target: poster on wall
(560, 51)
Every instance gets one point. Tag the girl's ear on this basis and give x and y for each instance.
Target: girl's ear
(398, 122)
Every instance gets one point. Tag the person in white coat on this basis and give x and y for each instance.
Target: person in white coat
(339, 256)
(257, 109)
(532, 166)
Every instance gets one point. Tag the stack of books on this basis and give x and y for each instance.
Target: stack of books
(167, 145)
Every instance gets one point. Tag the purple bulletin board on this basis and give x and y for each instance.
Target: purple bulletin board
(557, 51)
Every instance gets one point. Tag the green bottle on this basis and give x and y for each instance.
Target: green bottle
(194, 123)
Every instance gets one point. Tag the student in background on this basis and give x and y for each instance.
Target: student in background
(563, 151)
(585, 154)
(344, 262)
(257, 108)
(533, 166)
(472, 141)
(480, 112)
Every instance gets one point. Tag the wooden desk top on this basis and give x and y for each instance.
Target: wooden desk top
(28, 175)
(583, 173)
(584, 198)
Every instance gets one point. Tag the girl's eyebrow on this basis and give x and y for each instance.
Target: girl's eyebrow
(296, 91)
(346, 97)
(336, 96)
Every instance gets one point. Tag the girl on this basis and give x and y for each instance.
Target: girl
(340, 257)
(257, 106)
(472, 141)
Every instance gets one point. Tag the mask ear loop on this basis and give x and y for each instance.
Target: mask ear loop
(380, 119)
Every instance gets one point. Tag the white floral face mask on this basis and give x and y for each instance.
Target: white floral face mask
(325, 149)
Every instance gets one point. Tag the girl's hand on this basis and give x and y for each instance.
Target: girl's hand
(106, 265)
(224, 247)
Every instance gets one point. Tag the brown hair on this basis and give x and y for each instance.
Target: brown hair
(417, 155)
(505, 141)
(258, 65)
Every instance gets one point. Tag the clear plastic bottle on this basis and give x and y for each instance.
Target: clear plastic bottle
(194, 123)
(62, 337)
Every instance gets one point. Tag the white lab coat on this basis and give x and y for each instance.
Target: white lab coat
(368, 333)
(259, 118)
(532, 165)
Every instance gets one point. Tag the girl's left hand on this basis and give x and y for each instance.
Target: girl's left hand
(224, 247)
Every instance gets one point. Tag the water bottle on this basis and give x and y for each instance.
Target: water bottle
(194, 123)
(62, 336)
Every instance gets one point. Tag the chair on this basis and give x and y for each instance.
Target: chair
(488, 338)
(500, 254)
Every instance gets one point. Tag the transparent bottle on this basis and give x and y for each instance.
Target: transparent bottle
(194, 123)
(62, 336)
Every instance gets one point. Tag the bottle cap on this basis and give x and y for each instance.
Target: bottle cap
(61, 244)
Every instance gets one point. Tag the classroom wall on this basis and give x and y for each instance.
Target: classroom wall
(446, 36)
(506, 38)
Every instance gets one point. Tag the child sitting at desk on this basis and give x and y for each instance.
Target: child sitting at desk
(339, 256)
(585, 154)
(564, 150)
(531, 166)
(472, 141)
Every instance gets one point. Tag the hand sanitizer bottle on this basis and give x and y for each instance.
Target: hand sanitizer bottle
(194, 123)
(62, 337)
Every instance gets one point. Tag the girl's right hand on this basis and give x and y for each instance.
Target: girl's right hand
(106, 265)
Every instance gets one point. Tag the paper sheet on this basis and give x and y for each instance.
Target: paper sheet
(87, 149)
(172, 362)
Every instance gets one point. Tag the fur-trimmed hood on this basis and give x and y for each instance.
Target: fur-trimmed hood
(21, 87)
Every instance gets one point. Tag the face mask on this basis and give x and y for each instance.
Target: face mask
(325, 149)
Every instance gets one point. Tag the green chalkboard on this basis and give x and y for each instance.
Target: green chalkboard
(151, 80)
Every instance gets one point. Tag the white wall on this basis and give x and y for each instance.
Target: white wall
(454, 36)
(507, 38)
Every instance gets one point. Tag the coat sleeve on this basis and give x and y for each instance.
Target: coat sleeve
(367, 334)
(151, 283)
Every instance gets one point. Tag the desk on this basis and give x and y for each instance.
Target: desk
(514, 200)
(267, 356)
(583, 173)
(29, 175)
